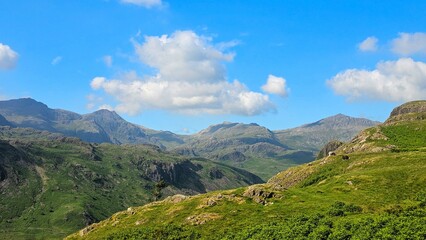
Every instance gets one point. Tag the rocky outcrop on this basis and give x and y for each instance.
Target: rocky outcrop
(234, 156)
(410, 107)
(328, 148)
(215, 173)
(185, 151)
(259, 194)
(410, 111)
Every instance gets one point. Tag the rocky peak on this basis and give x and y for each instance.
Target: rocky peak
(214, 128)
(25, 107)
(410, 107)
(104, 114)
(415, 110)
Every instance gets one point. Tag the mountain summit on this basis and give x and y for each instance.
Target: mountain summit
(314, 136)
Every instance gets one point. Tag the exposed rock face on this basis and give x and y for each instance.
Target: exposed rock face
(415, 110)
(410, 107)
(233, 156)
(172, 173)
(259, 194)
(185, 151)
(215, 173)
(329, 147)
(175, 198)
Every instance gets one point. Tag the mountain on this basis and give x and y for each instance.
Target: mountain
(52, 185)
(247, 146)
(102, 126)
(372, 188)
(265, 152)
(313, 136)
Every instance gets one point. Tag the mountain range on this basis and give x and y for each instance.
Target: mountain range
(372, 187)
(53, 183)
(247, 146)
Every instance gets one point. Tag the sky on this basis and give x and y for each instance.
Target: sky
(184, 65)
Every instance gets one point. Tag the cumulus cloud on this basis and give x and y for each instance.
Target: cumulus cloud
(144, 3)
(401, 80)
(56, 60)
(368, 45)
(275, 85)
(107, 60)
(409, 43)
(8, 57)
(190, 78)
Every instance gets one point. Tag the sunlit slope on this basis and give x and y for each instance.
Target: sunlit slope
(373, 188)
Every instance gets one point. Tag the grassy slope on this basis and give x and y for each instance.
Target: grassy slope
(379, 193)
(264, 155)
(61, 184)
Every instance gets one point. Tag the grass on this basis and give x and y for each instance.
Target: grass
(371, 195)
(58, 185)
(367, 188)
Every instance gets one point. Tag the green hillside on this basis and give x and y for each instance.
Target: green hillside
(373, 188)
(51, 185)
(247, 146)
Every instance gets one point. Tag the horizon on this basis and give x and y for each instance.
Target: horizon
(188, 134)
(183, 67)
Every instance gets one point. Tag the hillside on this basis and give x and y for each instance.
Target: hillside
(51, 185)
(373, 188)
(247, 146)
(313, 136)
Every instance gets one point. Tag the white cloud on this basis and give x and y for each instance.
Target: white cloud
(191, 79)
(8, 57)
(409, 43)
(401, 80)
(368, 45)
(275, 85)
(97, 82)
(144, 3)
(56, 60)
(107, 60)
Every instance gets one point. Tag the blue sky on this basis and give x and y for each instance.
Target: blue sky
(184, 65)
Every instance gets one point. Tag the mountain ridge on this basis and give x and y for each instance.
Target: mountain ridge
(247, 146)
(315, 135)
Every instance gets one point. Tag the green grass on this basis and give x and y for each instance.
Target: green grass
(60, 185)
(376, 192)
(406, 136)
(371, 195)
